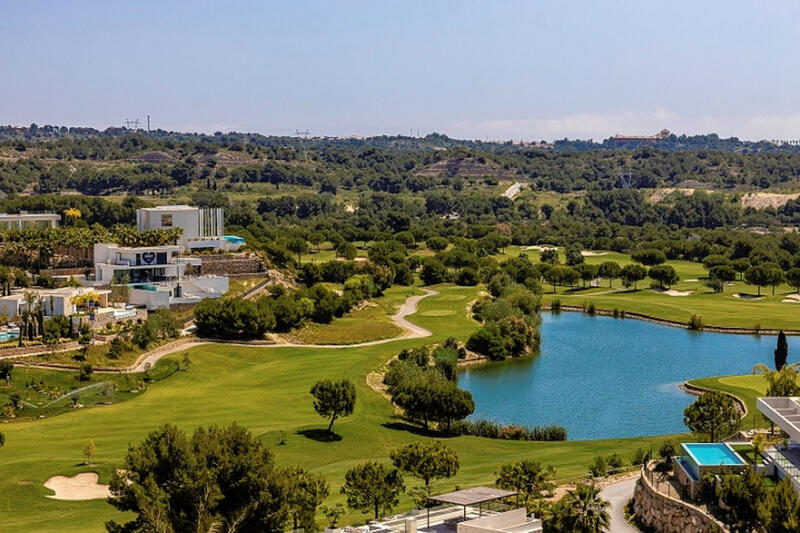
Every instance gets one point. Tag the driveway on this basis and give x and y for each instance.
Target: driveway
(618, 494)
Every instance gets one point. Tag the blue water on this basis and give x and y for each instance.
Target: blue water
(145, 287)
(602, 377)
(233, 239)
(713, 454)
(7, 336)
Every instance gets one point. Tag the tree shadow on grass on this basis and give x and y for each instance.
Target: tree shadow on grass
(319, 435)
(416, 430)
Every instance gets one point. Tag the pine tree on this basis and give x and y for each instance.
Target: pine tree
(782, 351)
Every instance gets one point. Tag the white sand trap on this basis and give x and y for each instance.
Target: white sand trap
(591, 253)
(791, 299)
(743, 296)
(540, 248)
(673, 292)
(83, 486)
(692, 280)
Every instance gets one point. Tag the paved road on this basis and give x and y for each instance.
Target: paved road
(412, 331)
(618, 494)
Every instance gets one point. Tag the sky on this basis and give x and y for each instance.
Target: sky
(532, 70)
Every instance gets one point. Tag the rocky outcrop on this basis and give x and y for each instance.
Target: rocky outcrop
(666, 514)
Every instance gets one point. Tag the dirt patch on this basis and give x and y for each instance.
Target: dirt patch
(743, 296)
(760, 200)
(83, 486)
(660, 194)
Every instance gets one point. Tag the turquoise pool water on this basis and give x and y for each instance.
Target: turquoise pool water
(713, 454)
(233, 239)
(145, 287)
(602, 377)
(8, 335)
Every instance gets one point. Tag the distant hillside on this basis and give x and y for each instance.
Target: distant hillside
(466, 167)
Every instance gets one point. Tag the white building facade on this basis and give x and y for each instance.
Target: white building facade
(203, 228)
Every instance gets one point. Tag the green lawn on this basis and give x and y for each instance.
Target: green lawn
(747, 388)
(722, 309)
(265, 389)
(370, 323)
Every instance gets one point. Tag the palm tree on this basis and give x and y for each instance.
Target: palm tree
(781, 382)
(582, 510)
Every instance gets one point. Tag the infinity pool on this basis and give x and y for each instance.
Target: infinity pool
(602, 377)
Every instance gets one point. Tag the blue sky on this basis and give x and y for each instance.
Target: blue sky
(497, 70)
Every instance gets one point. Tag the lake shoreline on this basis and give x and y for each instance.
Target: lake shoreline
(672, 323)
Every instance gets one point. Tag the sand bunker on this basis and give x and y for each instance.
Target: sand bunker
(590, 253)
(743, 296)
(540, 248)
(83, 486)
(791, 299)
(673, 292)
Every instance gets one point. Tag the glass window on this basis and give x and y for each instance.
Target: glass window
(166, 220)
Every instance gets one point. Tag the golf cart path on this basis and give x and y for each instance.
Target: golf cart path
(412, 331)
(617, 495)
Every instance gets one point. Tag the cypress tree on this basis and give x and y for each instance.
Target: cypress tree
(782, 351)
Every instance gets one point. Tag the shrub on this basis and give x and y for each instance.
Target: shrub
(599, 467)
(615, 462)
(85, 372)
(555, 305)
(696, 322)
(640, 456)
(493, 430)
(591, 309)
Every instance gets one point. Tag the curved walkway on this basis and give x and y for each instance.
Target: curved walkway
(617, 495)
(412, 331)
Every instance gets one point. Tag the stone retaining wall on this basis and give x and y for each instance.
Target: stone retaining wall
(223, 264)
(666, 514)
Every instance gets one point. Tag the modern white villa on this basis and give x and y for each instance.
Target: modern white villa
(157, 275)
(783, 460)
(25, 220)
(55, 302)
(203, 228)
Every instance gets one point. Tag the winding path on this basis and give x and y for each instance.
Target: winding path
(412, 331)
(617, 495)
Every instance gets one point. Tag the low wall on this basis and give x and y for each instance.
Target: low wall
(666, 514)
(223, 265)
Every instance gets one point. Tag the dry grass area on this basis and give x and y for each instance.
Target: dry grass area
(760, 200)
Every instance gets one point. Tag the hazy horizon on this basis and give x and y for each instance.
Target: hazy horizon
(470, 70)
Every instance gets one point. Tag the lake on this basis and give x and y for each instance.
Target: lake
(602, 377)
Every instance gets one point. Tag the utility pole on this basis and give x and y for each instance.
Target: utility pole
(148, 123)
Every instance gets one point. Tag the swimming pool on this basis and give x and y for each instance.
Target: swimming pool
(713, 454)
(700, 458)
(8, 335)
(233, 239)
(145, 287)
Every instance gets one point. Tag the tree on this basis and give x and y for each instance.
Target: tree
(86, 338)
(609, 270)
(781, 351)
(305, 492)
(333, 513)
(793, 278)
(667, 451)
(664, 275)
(588, 272)
(433, 271)
(5, 371)
(781, 382)
(346, 250)
(373, 487)
(573, 254)
(582, 510)
(437, 244)
(2, 440)
(298, 246)
(427, 460)
(85, 372)
(222, 479)
(115, 348)
(745, 497)
(632, 274)
(784, 508)
(722, 273)
(740, 266)
(51, 334)
(333, 399)
(759, 276)
(529, 479)
(649, 257)
(549, 255)
(89, 451)
(714, 414)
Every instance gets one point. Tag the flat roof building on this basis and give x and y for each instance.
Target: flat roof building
(202, 227)
(24, 220)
